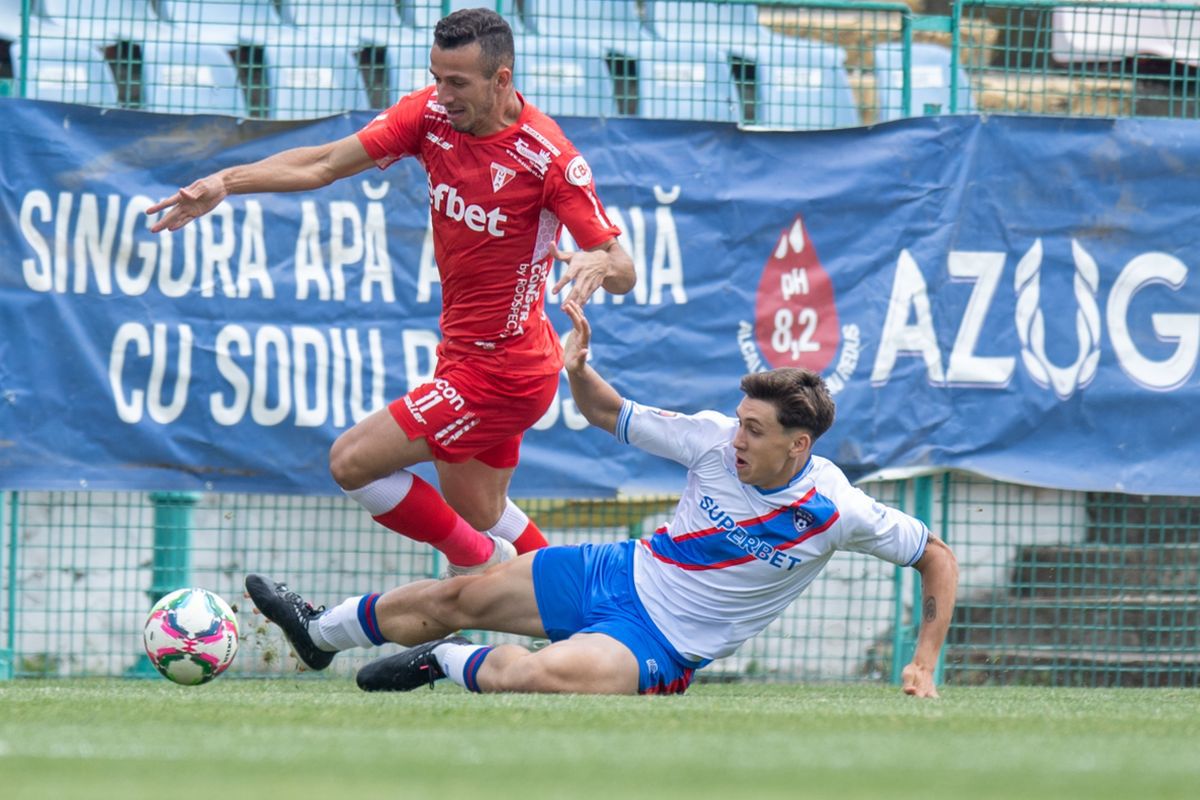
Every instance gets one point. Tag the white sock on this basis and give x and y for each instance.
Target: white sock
(461, 662)
(381, 496)
(350, 624)
(512, 522)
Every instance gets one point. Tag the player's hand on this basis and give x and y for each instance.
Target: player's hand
(188, 203)
(575, 352)
(917, 680)
(586, 271)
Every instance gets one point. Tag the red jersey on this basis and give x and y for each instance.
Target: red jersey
(498, 204)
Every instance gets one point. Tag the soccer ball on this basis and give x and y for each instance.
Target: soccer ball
(191, 636)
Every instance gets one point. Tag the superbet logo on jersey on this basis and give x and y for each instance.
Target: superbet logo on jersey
(795, 316)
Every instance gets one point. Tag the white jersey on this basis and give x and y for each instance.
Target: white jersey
(735, 556)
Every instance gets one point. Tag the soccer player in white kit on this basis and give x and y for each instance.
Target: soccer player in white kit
(759, 518)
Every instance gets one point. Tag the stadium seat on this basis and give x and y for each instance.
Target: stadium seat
(99, 20)
(190, 79)
(783, 81)
(312, 81)
(563, 78)
(344, 22)
(678, 81)
(424, 14)
(65, 70)
(728, 26)
(11, 21)
(229, 23)
(610, 22)
(392, 57)
(407, 63)
(408, 67)
(930, 85)
(512, 11)
(804, 88)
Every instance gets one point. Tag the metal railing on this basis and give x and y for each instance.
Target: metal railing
(780, 63)
(1058, 587)
(1063, 588)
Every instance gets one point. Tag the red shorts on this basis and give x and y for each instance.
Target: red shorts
(465, 412)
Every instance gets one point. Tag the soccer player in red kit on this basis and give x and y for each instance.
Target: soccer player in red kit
(503, 179)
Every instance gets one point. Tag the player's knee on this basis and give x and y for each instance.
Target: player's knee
(447, 603)
(467, 600)
(342, 465)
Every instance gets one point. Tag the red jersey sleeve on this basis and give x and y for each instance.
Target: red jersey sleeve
(396, 133)
(570, 193)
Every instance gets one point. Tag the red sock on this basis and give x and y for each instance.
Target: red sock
(530, 539)
(423, 515)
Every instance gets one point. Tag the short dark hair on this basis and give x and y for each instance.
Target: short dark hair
(800, 397)
(481, 25)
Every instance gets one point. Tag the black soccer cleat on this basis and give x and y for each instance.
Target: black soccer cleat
(405, 671)
(293, 614)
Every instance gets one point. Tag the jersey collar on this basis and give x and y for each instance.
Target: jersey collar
(795, 479)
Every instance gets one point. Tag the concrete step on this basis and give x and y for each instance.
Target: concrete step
(978, 664)
(1107, 623)
(1003, 92)
(1067, 570)
(858, 31)
(1135, 519)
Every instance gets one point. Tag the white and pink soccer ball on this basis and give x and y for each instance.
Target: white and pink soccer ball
(191, 636)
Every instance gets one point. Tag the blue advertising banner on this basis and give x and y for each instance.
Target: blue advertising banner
(1004, 295)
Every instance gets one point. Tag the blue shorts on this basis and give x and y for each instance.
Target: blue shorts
(588, 588)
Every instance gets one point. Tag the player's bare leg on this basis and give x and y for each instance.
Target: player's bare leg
(501, 599)
(587, 663)
(479, 493)
(369, 462)
(424, 614)
(374, 448)
(475, 490)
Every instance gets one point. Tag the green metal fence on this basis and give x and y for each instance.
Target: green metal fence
(81, 570)
(1057, 587)
(1111, 59)
(286, 59)
(778, 63)
(1062, 588)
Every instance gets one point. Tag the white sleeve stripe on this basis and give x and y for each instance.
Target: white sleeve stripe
(623, 418)
(920, 550)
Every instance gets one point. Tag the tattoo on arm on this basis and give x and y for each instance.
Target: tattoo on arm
(930, 609)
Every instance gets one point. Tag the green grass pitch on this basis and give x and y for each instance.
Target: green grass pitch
(305, 738)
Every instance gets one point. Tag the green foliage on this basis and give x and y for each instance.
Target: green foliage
(39, 665)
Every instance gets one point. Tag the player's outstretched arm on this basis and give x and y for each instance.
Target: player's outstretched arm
(596, 399)
(607, 266)
(939, 584)
(292, 170)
